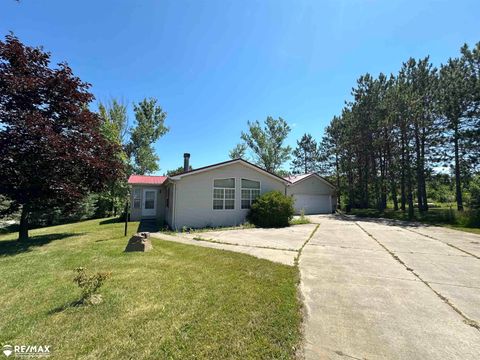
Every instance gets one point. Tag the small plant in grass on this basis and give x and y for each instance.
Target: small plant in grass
(89, 285)
(300, 220)
(247, 225)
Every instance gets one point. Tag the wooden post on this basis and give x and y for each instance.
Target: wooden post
(126, 219)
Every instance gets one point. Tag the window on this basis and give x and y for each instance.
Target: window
(250, 191)
(137, 194)
(167, 198)
(150, 200)
(224, 194)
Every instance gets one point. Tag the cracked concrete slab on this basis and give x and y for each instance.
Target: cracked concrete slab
(462, 297)
(352, 261)
(291, 238)
(462, 240)
(399, 240)
(343, 236)
(278, 245)
(275, 255)
(464, 270)
(363, 303)
(436, 262)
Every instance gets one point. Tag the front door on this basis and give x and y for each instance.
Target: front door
(149, 207)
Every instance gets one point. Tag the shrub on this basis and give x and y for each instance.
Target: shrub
(272, 209)
(89, 285)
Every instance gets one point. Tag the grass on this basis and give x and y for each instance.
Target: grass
(217, 228)
(441, 216)
(301, 220)
(174, 302)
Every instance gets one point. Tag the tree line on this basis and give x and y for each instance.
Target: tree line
(400, 130)
(394, 140)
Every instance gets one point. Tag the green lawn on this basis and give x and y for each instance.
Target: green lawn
(441, 216)
(175, 302)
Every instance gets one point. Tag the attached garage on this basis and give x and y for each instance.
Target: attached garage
(312, 194)
(313, 204)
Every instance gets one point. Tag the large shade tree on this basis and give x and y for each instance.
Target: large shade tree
(238, 152)
(52, 151)
(150, 126)
(135, 143)
(267, 142)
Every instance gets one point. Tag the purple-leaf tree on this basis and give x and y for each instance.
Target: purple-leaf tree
(52, 151)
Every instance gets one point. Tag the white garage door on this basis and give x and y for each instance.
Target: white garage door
(313, 204)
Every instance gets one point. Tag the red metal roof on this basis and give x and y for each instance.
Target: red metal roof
(146, 179)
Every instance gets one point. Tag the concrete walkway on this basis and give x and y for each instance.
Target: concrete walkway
(376, 290)
(278, 245)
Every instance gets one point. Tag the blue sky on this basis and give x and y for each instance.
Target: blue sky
(214, 65)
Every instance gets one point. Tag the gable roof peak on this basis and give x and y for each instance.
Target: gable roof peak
(225, 163)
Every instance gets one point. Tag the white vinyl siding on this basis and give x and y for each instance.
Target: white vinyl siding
(138, 200)
(193, 202)
(312, 196)
(224, 194)
(250, 191)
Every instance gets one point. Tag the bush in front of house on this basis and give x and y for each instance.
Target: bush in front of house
(272, 209)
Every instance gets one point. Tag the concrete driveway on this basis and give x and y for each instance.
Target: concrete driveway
(377, 290)
(374, 289)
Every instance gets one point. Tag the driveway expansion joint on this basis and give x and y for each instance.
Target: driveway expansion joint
(446, 243)
(466, 319)
(198, 238)
(297, 258)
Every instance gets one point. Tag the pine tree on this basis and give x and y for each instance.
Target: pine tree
(305, 155)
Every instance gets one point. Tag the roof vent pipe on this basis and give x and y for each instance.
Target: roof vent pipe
(186, 162)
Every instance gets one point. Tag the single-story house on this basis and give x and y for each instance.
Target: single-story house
(221, 194)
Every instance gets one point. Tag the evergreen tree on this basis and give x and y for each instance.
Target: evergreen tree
(305, 155)
(456, 92)
(397, 129)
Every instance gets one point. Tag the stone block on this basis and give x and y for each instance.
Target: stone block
(139, 242)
